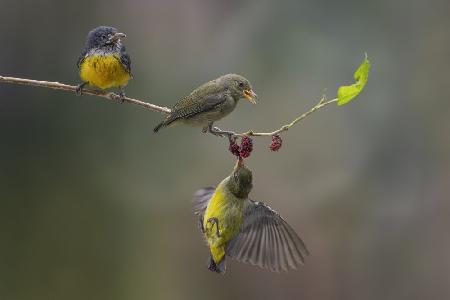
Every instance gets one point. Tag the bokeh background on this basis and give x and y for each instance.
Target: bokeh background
(93, 205)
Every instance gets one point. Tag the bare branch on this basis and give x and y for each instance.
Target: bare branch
(71, 88)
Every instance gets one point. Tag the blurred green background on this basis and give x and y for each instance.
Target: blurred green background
(93, 205)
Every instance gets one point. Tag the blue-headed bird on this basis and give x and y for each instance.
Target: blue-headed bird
(104, 62)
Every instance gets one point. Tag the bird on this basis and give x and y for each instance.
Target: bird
(104, 62)
(249, 231)
(210, 102)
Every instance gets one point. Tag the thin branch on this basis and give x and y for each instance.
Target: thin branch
(71, 88)
(115, 97)
(322, 103)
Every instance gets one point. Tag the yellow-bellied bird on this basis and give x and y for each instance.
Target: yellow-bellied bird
(103, 62)
(246, 230)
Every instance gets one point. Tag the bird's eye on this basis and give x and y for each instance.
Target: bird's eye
(104, 37)
(240, 84)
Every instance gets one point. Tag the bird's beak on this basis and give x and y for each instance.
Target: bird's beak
(239, 163)
(251, 96)
(116, 37)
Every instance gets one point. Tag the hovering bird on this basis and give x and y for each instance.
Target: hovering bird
(210, 102)
(246, 230)
(103, 62)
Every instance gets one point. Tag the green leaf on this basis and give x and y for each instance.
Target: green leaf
(348, 92)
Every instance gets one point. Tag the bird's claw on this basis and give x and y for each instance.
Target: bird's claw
(121, 96)
(79, 89)
(219, 132)
(215, 221)
(214, 130)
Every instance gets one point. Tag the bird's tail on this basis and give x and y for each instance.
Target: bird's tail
(218, 268)
(159, 126)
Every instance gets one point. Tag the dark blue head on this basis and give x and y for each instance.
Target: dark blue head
(103, 36)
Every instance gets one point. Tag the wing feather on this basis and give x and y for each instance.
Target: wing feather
(81, 57)
(266, 240)
(201, 199)
(200, 202)
(188, 107)
(125, 60)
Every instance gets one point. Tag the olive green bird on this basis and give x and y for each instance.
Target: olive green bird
(243, 229)
(210, 102)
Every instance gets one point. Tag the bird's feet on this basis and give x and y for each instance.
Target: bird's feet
(227, 133)
(79, 89)
(121, 95)
(215, 221)
(219, 132)
(216, 132)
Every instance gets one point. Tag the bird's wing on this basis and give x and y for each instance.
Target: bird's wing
(125, 60)
(200, 202)
(201, 199)
(81, 57)
(266, 240)
(191, 106)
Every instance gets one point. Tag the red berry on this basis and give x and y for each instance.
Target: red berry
(244, 154)
(234, 148)
(276, 143)
(246, 147)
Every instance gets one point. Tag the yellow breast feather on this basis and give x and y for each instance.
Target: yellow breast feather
(227, 210)
(104, 71)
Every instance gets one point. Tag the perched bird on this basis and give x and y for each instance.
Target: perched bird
(103, 62)
(210, 102)
(246, 230)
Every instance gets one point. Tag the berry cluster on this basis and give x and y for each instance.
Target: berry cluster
(242, 150)
(276, 143)
(234, 148)
(246, 147)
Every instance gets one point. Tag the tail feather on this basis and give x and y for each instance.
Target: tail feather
(218, 268)
(159, 126)
(168, 121)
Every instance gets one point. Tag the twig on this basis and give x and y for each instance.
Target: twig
(115, 97)
(71, 88)
(323, 102)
